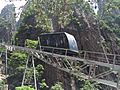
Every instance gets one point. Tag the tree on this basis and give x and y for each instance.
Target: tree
(31, 43)
(110, 15)
(17, 61)
(52, 15)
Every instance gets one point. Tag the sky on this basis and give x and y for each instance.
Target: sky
(17, 4)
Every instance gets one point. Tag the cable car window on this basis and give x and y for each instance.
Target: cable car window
(47, 42)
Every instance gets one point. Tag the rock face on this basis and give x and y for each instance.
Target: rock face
(53, 75)
(87, 40)
(8, 13)
(7, 25)
(5, 35)
(91, 38)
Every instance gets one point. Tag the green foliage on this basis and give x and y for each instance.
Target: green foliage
(43, 84)
(109, 15)
(118, 41)
(41, 19)
(17, 61)
(24, 88)
(59, 9)
(85, 84)
(2, 83)
(104, 26)
(39, 73)
(88, 86)
(40, 70)
(53, 13)
(31, 43)
(57, 86)
(30, 73)
(2, 49)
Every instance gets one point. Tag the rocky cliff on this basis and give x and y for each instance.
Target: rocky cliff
(90, 36)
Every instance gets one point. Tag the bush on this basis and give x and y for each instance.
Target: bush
(24, 88)
(57, 86)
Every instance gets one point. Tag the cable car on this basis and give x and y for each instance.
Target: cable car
(60, 41)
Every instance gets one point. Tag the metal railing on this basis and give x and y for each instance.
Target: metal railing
(90, 55)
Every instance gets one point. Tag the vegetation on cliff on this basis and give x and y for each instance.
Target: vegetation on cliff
(7, 23)
(93, 32)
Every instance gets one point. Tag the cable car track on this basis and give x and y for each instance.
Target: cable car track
(72, 64)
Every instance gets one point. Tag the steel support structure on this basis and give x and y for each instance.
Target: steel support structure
(86, 65)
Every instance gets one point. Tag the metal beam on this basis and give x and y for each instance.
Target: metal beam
(113, 67)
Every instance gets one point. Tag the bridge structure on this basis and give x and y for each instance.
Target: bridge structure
(95, 66)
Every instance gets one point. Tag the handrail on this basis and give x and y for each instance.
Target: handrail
(79, 51)
(98, 52)
(66, 50)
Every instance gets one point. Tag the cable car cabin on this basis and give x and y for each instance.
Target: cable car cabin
(59, 41)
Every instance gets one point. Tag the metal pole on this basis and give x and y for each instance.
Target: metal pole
(114, 61)
(25, 71)
(35, 81)
(39, 43)
(66, 52)
(118, 82)
(6, 65)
